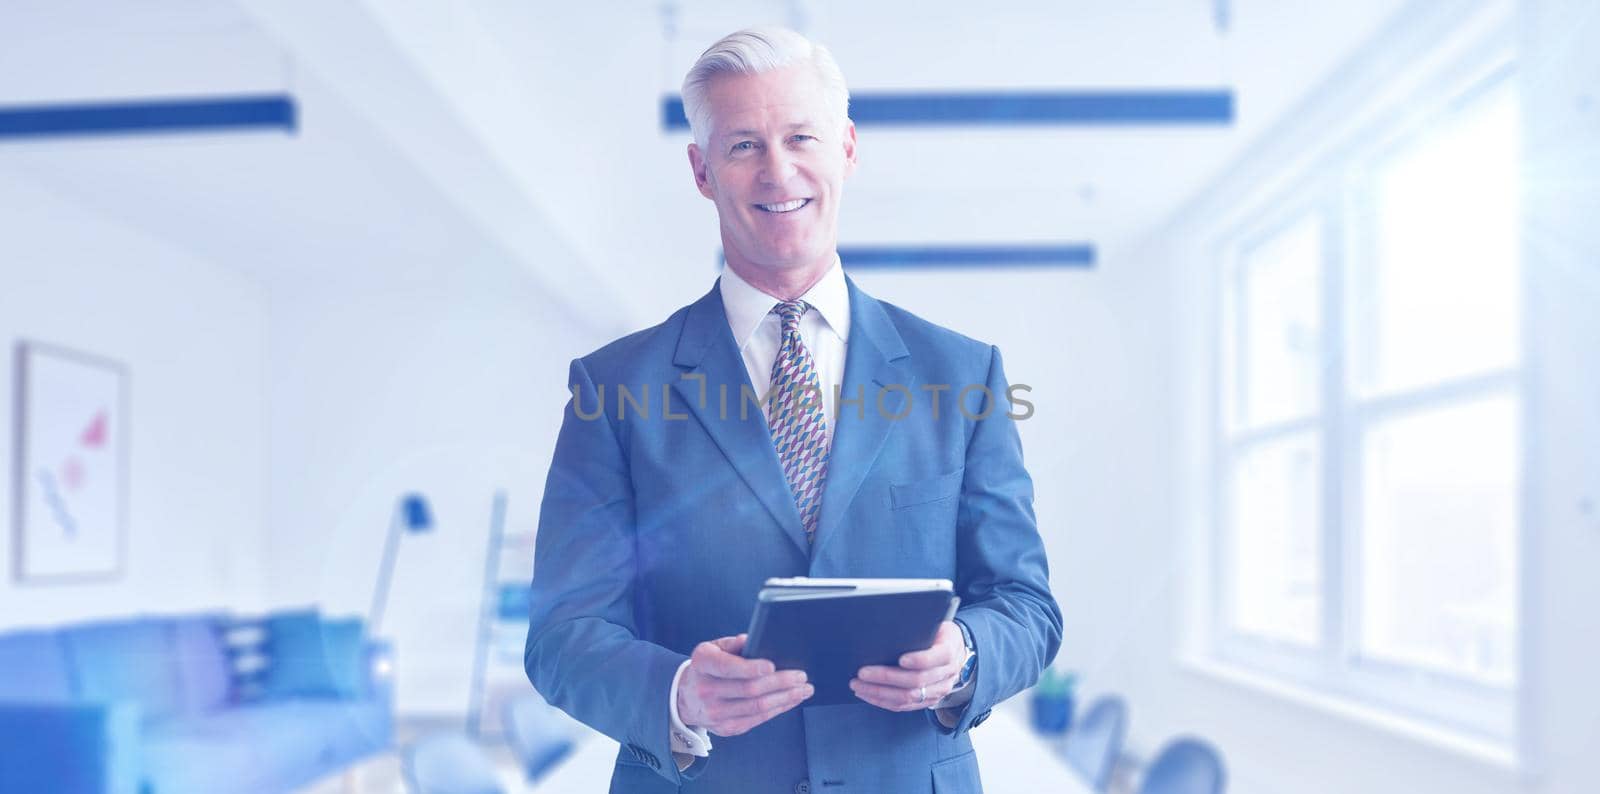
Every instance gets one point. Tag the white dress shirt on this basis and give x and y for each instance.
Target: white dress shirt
(824, 330)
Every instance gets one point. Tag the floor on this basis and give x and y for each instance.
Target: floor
(1014, 760)
(588, 769)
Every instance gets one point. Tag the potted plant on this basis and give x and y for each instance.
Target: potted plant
(1051, 703)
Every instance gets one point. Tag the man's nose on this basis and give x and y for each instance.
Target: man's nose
(777, 166)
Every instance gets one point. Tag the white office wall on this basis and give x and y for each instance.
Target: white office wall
(450, 382)
(1561, 246)
(192, 336)
(1093, 345)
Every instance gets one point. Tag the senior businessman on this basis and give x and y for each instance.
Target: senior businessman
(886, 447)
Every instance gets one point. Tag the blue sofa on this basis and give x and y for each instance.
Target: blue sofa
(159, 705)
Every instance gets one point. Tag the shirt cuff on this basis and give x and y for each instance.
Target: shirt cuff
(949, 708)
(687, 743)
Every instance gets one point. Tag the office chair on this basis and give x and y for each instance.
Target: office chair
(448, 763)
(1185, 766)
(1095, 743)
(536, 734)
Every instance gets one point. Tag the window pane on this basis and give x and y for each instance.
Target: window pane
(1439, 298)
(1277, 322)
(1438, 541)
(1276, 566)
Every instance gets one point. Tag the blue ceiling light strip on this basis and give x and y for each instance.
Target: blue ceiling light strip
(212, 114)
(1087, 108)
(880, 257)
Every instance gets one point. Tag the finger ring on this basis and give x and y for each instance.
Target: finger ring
(922, 694)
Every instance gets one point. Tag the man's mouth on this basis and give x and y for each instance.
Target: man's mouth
(785, 206)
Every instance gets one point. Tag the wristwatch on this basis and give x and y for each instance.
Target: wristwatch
(971, 662)
(968, 666)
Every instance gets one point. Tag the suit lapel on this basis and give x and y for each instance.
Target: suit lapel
(871, 364)
(707, 352)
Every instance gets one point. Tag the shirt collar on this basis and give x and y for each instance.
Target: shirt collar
(747, 306)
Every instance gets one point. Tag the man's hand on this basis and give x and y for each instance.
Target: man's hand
(922, 679)
(728, 694)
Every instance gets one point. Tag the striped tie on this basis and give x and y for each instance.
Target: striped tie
(799, 429)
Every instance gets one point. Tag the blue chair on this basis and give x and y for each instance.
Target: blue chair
(1185, 766)
(1095, 743)
(536, 734)
(448, 763)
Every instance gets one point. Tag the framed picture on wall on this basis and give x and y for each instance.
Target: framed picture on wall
(70, 465)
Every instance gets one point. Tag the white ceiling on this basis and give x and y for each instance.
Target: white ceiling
(440, 134)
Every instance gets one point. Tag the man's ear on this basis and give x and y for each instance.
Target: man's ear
(697, 163)
(849, 147)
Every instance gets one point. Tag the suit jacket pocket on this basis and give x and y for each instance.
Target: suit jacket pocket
(958, 775)
(923, 491)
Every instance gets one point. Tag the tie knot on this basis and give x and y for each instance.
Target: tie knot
(790, 311)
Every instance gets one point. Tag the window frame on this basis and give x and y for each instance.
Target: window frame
(1335, 194)
(1230, 440)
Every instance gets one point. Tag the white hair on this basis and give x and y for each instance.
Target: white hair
(756, 51)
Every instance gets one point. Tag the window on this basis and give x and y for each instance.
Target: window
(1275, 342)
(1369, 447)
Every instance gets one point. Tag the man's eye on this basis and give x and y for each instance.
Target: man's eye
(803, 138)
(744, 146)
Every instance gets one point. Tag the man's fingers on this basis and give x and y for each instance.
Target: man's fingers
(947, 648)
(713, 688)
(713, 658)
(944, 686)
(732, 694)
(781, 700)
(937, 656)
(902, 699)
(891, 698)
(739, 725)
(903, 679)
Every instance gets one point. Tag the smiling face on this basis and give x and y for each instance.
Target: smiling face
(775, 161)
